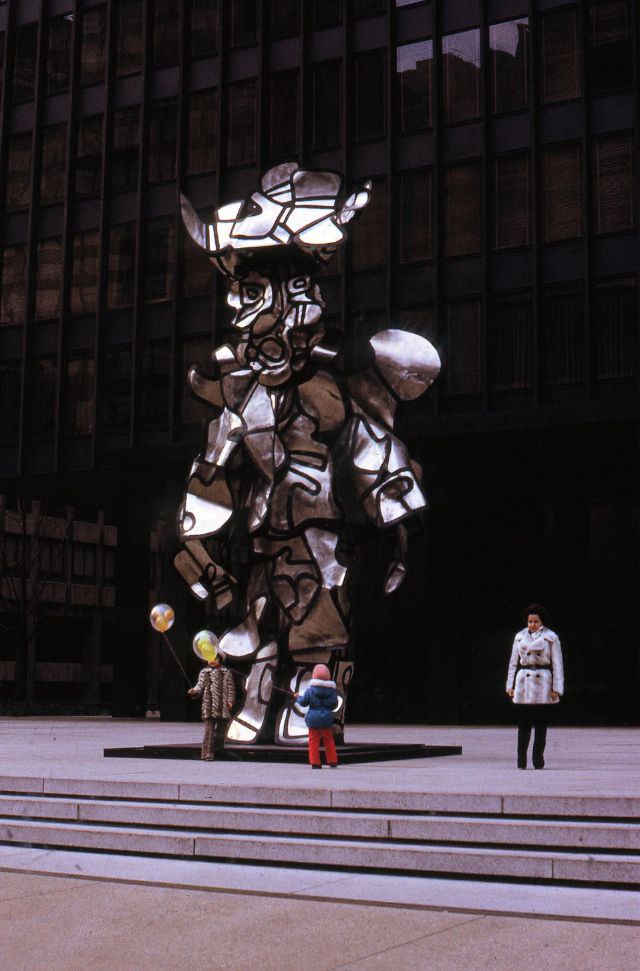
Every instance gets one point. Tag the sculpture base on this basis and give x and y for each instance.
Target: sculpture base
(347, 753)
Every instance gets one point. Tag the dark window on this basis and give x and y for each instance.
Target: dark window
(195, 351)
(509, 65)
(559, 57)
(166, 32)
(241, 123)
(418, 320)
(561, 192)
(610, 48)
(563, 329)
(3, 38)
(121, 266)
(124, 154)
(202, 134)
(162, 140)
(197, 270)
(93, 49)
(58, 57)
(327, 13)
(129, 37)
(615, 328)
(414, 66)
(369, 234)
(18, 189)
(512, 201)
(243, 17)
(409, 3)
(40, 397)
(89, 157)
(49, 279)
(463, 209)
(463, 372)
(80, 395)
(155, 383)
(10, 381)
(14, 285)
(415, 216)
(461, 75)
(24, 67)
(204, 27)
(327, 104)
(511, 343)
(284, 18)
(283, 113)
(84, 277)
(54, 163)
(613, 184)
(116, 387)
(370, 86)
(367, 8)
(159, 259)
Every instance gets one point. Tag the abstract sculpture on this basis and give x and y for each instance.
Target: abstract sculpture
(296, 449)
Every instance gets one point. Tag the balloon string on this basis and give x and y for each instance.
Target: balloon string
(176, 658)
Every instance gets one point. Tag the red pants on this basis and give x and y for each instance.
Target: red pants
(326, 734)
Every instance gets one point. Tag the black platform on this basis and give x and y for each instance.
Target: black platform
(347, 753)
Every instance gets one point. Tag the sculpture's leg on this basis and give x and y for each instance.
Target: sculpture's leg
(290, 724)
(250, 723)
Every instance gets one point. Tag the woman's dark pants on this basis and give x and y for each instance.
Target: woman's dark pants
(530, 717)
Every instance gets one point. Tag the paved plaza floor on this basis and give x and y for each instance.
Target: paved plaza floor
(276, 919)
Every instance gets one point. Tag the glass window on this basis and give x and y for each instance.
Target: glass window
(10, 382)
(58, 55)
(370, 86)
(418, 320)
(197, 271)
(40, 397)
(204, 27)
(93, 45)
(124, 156)
(241, 123)
(283, 114)
(89, 157)
(129, 37)
(163, 129)
(84, 278)
(327, 104)
(49, 279)
(415, 216)
(563, 328)
(461, 75)
(116, 387)
(243, 17)
(327, 13)
(166, 33)
(54, 164)
(610, 47)
(463, 355)
(202, 132)
(561, 192)
(80, 395)
(369, 234)
(159, 259)
(13, 295)
(24, 67)
(196, 351)
(121, 266)
(367, 8)
(3, 38)
(511, 343)
(615, 328)
(155, 383)
(414, 66)
(512, 201)
(18, 188)
(463, 209)
(613, 184)
(559, 57)
(284, 18)
(509, 65)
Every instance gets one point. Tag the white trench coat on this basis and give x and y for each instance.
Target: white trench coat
(535, 667)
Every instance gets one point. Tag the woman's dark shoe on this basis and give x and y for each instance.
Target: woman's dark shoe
(539, 765)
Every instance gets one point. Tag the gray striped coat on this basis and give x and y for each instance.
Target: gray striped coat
(218, 692)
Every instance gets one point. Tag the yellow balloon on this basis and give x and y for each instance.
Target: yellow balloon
(205, 645)
(162, 617)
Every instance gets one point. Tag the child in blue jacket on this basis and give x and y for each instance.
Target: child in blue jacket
(321, 698)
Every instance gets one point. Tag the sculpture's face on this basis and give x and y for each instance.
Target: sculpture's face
(279, 318)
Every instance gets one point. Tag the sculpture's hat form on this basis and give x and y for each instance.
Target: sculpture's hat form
(292, 208)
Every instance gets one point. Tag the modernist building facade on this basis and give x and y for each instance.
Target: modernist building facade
(502, 140)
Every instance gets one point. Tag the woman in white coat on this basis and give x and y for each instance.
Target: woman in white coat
(534, 682)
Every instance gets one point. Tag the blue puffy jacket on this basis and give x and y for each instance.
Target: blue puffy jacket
(321, 698)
